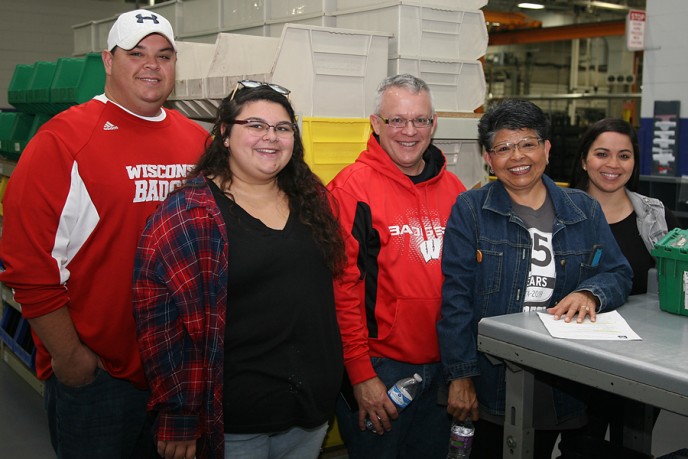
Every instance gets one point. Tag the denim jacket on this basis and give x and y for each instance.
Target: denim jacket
(650, 218)
(486, 260)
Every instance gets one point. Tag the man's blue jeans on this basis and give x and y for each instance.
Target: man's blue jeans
(420, 432)
(104, 419)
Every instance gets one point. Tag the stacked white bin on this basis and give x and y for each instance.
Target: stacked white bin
(440, 41)
(332, 72)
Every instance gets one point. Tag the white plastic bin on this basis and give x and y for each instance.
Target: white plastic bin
(275, 27)
(173, 11)
(453, 4)
(456, 86)
(256, 31)
(292, 9)
(198, 18)
(84, 38)
(331, 72)
(465, 160)
(241, 14)
(238, 57)
(421, 31)
(190, 93)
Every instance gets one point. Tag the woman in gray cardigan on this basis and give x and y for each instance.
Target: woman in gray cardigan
(608, 170)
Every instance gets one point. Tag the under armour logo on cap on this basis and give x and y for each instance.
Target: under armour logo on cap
(152, 17)
(132, 27)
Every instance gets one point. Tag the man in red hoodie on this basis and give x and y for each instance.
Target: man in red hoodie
(393, 204)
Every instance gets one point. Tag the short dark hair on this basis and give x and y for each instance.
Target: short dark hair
(579, 176)
(512, 114)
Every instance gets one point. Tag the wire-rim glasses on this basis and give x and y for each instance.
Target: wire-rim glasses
(259, 128)
(252, 84)
(398, 122)
(526, 145)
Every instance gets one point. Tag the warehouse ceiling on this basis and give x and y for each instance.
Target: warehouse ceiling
(506, 15)
(578, 8)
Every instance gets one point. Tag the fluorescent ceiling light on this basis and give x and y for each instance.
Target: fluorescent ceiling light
(604, 5)
(531, 6)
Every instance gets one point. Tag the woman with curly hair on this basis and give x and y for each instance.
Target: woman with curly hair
(233, 293)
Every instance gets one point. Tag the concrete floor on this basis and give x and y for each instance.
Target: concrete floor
(24, 428)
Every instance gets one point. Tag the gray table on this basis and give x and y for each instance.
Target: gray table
(653, 371)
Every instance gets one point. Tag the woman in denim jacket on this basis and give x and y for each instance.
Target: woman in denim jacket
(519, 244)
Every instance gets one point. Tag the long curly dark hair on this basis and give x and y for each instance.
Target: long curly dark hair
(303, 188)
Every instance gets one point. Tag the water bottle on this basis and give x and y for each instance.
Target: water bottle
(401, 394)
(461, 439)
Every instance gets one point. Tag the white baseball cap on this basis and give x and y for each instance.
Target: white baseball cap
(133, 26)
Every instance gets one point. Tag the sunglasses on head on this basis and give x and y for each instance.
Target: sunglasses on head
(252, 84)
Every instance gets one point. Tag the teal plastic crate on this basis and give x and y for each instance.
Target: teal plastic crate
(671, 253)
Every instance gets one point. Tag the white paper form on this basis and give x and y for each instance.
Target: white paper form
(608, 326)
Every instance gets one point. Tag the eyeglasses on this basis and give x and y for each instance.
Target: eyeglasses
(259, 128)
(526, 145)
(252, 84)
(398, 122)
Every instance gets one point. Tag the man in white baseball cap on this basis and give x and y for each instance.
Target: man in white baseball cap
(74, 210)
(132, 27)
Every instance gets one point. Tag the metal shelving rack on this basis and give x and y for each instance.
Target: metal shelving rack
(16, 345)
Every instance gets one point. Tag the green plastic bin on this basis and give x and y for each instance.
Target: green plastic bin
(14, 132)
(38, 93)
(671, 253)
(77, 80)
(19, 84)
(38, 120)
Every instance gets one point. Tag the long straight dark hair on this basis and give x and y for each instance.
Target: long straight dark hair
(579, 176)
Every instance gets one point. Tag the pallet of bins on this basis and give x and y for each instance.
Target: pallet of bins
(43, 89)
(441, 42)
(190, 96)
(332, 75)
(207, 73)
(331, 72)
(202, 20)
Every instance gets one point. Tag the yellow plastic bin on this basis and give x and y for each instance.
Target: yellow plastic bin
(333, 143)
(3, 186)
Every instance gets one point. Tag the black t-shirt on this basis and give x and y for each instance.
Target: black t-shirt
(283, 355)
(632, 246)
